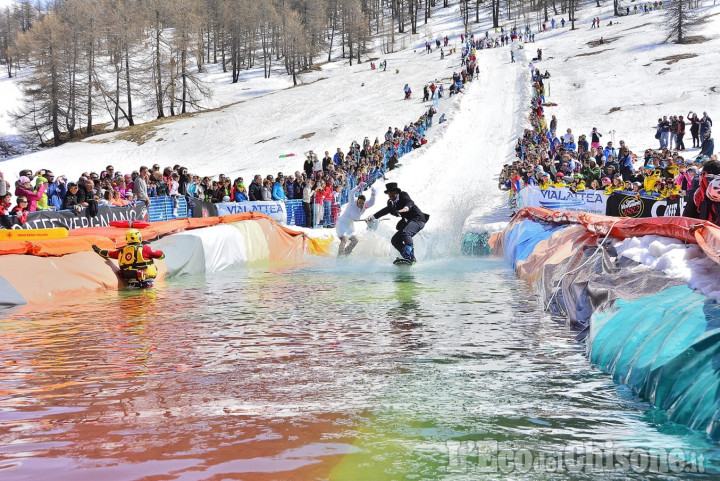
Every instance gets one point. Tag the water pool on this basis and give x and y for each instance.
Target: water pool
(328, 370)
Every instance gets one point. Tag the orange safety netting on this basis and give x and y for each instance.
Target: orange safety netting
(704, 233)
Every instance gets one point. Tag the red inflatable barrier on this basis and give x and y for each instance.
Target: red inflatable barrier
(137, 224)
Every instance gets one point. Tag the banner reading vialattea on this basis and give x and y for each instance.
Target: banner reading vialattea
(274, 209)
(562, 198)
(617, 204)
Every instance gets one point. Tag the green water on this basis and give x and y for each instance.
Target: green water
(352, 370)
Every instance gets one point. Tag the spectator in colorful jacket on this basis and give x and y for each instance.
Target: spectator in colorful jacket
(21, 209)
(24, 188)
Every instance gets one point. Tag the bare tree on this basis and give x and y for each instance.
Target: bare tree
(295, 43)
(39, 111)
(680, 18)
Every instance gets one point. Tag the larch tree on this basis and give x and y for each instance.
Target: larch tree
(680, 19)
(39, 111)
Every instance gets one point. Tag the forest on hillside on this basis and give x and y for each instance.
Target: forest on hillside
(83, 60)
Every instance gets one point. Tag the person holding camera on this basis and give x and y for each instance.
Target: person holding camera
(56, 190)
(24, 189)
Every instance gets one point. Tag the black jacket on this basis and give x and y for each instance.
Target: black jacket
(255, 192)
(413, 214)
(70, 201)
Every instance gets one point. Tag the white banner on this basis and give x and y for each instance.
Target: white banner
(562, 198)
(274, 209)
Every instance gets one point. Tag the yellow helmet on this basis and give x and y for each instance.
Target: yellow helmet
(133, 236)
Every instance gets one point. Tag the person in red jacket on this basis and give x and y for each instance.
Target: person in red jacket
(24, 189)
(135, 260)
(20, 210)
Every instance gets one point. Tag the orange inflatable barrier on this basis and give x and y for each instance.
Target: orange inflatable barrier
(81, 240)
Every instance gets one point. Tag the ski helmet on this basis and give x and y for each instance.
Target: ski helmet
(713, 190)
(133, 236)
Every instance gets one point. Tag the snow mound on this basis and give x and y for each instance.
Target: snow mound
(676, 260)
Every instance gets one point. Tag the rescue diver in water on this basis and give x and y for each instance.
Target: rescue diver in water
(413, 220)
(135, 260)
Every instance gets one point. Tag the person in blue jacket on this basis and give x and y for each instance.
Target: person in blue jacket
(56, 190)
(609, 150)
(708, 145)
(278, 193)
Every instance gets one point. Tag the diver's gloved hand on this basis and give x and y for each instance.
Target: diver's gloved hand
(162, 256)
(96, 249)
(370, 219)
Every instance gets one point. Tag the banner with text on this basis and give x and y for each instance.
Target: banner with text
(563, 198)
(69, 219)
(274, 209)
(626, 205)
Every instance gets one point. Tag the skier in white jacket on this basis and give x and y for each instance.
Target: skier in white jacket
(353, 212)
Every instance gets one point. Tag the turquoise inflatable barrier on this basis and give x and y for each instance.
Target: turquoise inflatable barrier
(666, 347)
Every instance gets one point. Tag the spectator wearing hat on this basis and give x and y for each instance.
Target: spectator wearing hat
(71, 201)
(705, 124)
(24, 189)
(708, 144)
(5, 207)
(42, 203)
(21, 209)
(591, 171)
(24, 173)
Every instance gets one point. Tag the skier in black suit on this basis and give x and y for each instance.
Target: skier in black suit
(413, 220)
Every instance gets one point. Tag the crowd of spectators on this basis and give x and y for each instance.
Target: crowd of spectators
(325, 182)
(547, 160)
(320, 185)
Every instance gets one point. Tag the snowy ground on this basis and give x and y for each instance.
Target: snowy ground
(620, 87)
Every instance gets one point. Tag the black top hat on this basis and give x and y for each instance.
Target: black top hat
(391, 187)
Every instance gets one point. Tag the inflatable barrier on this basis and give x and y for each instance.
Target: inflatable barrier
(649, 330)
(42, 270)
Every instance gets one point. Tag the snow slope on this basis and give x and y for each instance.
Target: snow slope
(454, 175)
(334, 106)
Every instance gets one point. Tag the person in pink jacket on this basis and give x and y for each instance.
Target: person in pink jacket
(25, 189)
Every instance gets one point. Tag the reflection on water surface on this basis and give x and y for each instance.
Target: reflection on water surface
(354, 370)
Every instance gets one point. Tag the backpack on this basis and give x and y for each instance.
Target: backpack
(92, 208)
